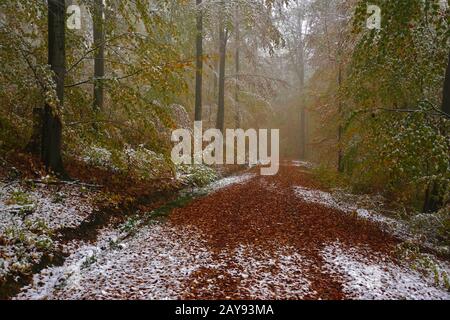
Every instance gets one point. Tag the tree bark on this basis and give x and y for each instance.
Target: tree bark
(340, 129)
(99, 62)
(302, 106)
(301, 75)
(238, 69)
(199, 67)
(446, 98)
(222, 53)
(52, 125)
(433, 199)
(216, 72)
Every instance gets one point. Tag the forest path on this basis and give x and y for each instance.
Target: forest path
(267, 242)
(255, 239)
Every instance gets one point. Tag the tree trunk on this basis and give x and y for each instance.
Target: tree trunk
(216, 72)
(446, 99)
(301, 76)
(237, 60)
(341, 129)
(222, 54)
(302, 106)
(52, 125)
(433, 199)
(99, 64)
(303, 131)
(199, 68)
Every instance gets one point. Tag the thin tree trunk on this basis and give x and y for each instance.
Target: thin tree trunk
(302, 107)
(301, 75)
(99, 64)
(216, 72)
(303, 131)
(237, 60)
(221, 104)
(52, 125)
(340, 130)
(199, 73)
(446, 98)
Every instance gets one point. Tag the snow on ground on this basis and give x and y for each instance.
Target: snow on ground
(271, 275)
(304, 164)
(150, 265)
(253, 272)
(28, 217)
(422, 229)
(158, 261)
(218, 184)
(317, 196)
(32, 213)
(329, 200)
(374, 278)
(228, 181)
(368, 276)
(56, 206)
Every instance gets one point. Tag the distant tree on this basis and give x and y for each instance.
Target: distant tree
(237, 58)
(223, 39)
(295, 37)
(300, 51)
(199, 65)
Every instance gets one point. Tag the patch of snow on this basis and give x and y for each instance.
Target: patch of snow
(302, 164)
(56, 206)
(97, 156)
(317, 196)
(368, 276)
(70, 212)
(327, 199)
(257, 273)
(28, 216)
(150, 265)
(271, 276)
(228, 181)
(158, 261)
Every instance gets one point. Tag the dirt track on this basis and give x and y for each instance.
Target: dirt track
(265, 213)
(256, 239)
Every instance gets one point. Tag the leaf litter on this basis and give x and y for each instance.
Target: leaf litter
(255, 239)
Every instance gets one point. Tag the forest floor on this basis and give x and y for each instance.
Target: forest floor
(249, 237)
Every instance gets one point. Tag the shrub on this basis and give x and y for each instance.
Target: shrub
(198, 175)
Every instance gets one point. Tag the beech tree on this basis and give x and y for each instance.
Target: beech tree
(446, 95)
(199, 63)
(258, 15)
(223, 39)
(300, 68)
(99, 60)
(52, 122)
